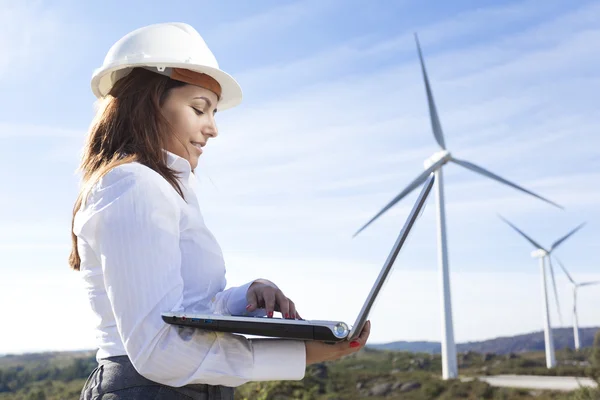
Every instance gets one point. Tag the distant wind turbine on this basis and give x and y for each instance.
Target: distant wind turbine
(543, 254)
(575, 287)
(434, 164)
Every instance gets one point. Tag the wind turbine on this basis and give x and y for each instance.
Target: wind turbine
(434, 164)
(541, 253)
(575, 287)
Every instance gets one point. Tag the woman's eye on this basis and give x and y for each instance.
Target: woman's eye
(198, 112)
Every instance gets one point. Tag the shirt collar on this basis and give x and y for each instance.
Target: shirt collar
(177, 163)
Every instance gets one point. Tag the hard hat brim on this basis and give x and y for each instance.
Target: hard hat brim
(231, 93)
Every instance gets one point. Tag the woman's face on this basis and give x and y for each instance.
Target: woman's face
(190, 111)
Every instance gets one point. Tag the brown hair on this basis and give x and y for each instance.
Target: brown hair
(128, 126)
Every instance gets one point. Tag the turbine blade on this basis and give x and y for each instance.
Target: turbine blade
(530, 240)
(491, 175)
(568, 235)
(555, 291)
(433, 115)
(589, 283)
(418, 181)
(565, 271)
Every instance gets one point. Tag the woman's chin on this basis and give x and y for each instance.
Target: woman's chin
(194, 162)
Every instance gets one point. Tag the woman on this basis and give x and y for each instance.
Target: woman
(140, 241)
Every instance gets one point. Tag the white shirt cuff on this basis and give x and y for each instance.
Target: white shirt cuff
(278, 359)
(237, 302)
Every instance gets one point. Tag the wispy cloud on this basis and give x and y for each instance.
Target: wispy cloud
(270, 22)
(26, 235)
(533, 29)
(318, 163)
(28, 33)
(328, 135)
(325, 132)
(26, 131)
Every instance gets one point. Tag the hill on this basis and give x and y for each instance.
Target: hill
(529, 342)
(57, 358)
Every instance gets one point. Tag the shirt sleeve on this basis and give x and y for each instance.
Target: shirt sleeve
(233, 301)
(131, 221)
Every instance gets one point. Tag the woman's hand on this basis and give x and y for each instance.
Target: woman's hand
(317, 352)
(265, 294)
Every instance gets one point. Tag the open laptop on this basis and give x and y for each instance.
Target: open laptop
(327, 331)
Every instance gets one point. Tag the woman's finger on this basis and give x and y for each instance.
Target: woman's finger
(364, 334)
(284, 304)
(252, 299)
(366, 330)
(269, 295)
(293, 313)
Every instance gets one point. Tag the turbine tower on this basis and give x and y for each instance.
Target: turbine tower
(575, 287)
(543, 254)
(434, 164)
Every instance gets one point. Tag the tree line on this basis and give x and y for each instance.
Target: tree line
(15, 378)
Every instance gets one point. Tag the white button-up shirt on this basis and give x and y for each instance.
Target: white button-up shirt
(144, 250)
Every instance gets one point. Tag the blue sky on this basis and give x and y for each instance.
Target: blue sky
(334, 123)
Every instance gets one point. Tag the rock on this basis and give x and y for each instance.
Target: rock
(381, 389)
(359, 385)
(408, 386)
(395, 371)
(396, 386)
(320, 371)
(417, 362)
(584, 364)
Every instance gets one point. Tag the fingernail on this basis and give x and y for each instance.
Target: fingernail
(287, 316)
(270, 314)
(248, 307)
(354, 344)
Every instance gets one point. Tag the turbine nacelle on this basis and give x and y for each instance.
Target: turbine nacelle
(440, 157)
(539, 253)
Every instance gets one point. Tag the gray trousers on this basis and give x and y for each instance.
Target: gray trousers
(115, 378)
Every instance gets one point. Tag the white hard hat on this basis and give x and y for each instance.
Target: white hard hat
(164, 47)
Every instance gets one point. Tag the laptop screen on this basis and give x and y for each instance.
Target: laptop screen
(387, 267)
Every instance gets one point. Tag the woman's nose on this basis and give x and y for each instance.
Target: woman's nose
(210, 129)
